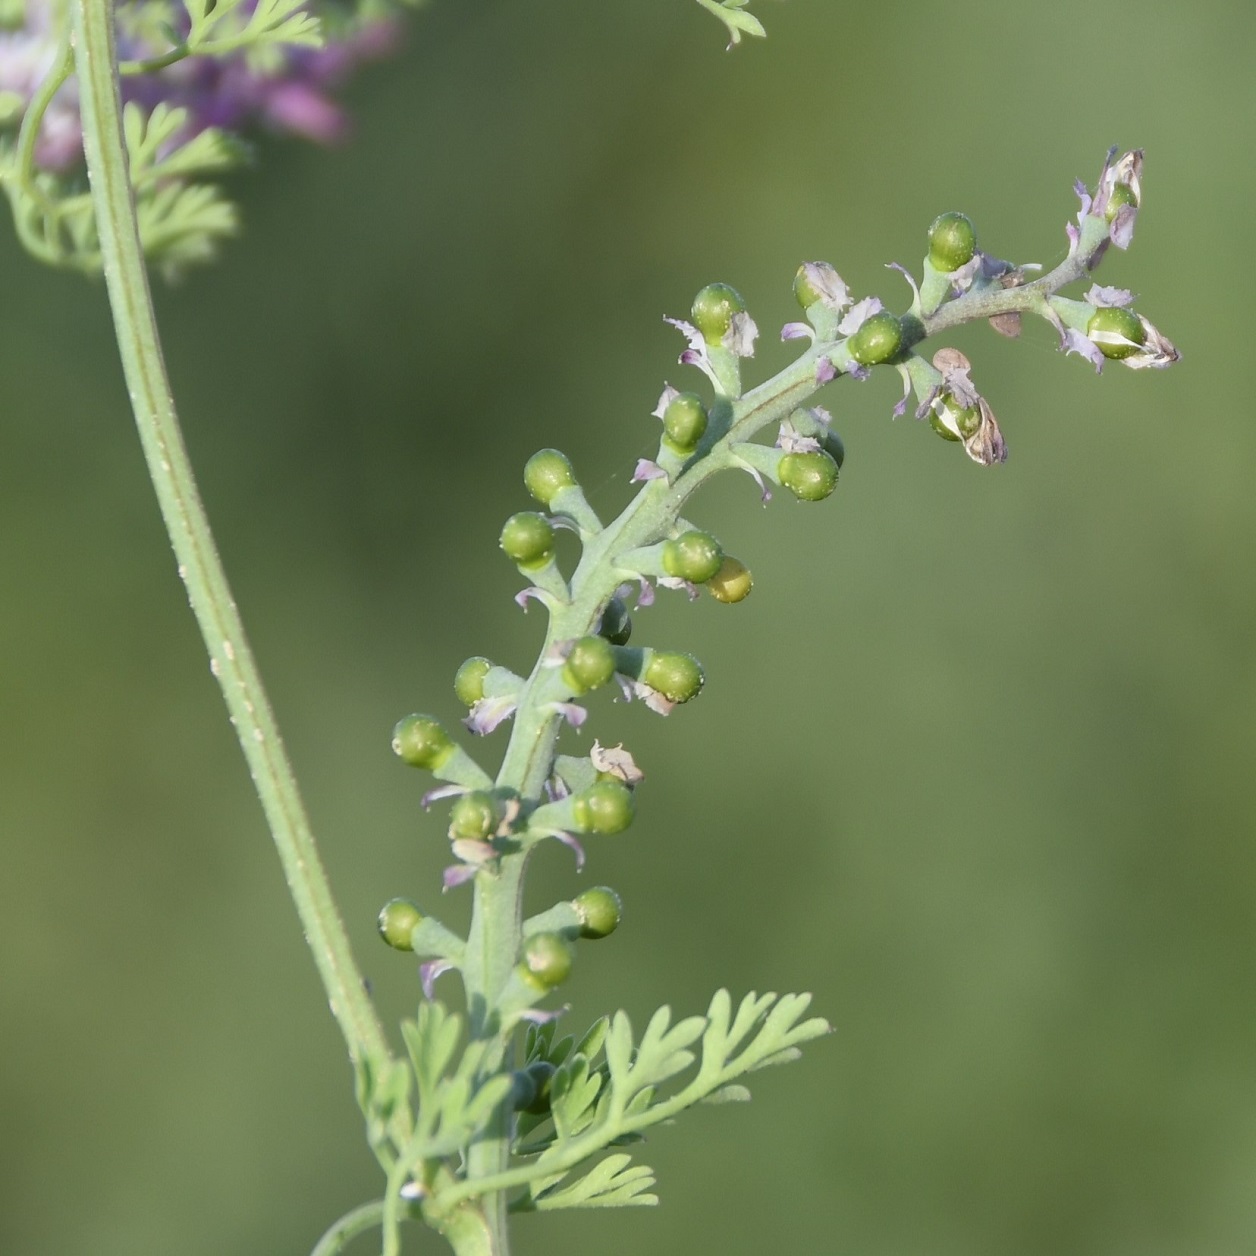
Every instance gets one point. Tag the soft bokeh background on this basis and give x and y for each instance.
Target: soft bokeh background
(975, 763)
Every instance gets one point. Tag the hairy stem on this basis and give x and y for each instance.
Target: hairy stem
(200, 568)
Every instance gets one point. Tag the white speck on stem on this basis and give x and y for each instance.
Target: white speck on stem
(258, 735)
(215, 667)
(229, 650)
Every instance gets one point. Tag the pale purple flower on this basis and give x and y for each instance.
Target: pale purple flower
(487, 713)
(233, 92)
(433, 968)
(666, 397)
(858, 314)
(647, 470)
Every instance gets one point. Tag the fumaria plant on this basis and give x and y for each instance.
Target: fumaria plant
(495, 1111)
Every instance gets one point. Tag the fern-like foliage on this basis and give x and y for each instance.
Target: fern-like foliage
(182, 220)
(734, 16)
(610, 1087)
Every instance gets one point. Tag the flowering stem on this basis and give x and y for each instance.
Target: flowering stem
(200, 568)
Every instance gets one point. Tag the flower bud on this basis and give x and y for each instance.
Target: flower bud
(473, 816)
(713, 310)
(528, 538)
(547, 960)
(590, 664)
(1117, 331)
(805, 292)
(732, 583)
(600, 910)
(878, 339)
(694, 556)
(398, 919)
(533, 1088)
(469, 680)
(952, 242)
(811, 476)
(684, 422)
(616, 625)
(605, 807)
(678, 677)
(422, 742)
(545, 473)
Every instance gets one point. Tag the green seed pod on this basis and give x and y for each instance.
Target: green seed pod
(473, 816)
(732, 583)
(935, 422)
(600, 910)
(1121, 194)
(694, 556)
(678, 677)
(528, 538)
(811, 476)
(590, 664)
(469, 680)
(545, 473)
(713, 310)
(684, 422)
(547, 960)
(804, 291)
(878, 339)
(968, 421)
(605, 807)
(398, 919)
(616, 625)
(952, 241)
(1114, 320)
(422, 742)
(534, 1088)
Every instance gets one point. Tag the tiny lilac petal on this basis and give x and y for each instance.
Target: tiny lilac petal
(532, 593)
(1075, 342)
(656, 701)
(828, 284)
(429, 972)
(646, 596)
(625, 684)
(902, 270)
(647, 470)
(858, 314)
(457, 874)
(441, 791)
(962, 278)
(798, 331)
(572, 712)
(926, 407)
(675, 582)
(1121, 232)
(570, 841)
(1074, 237)
(474, 851)
(901, 408)
(859, 372)
(792, 441)
(1083, 195)
(741, 334)
(617, 762)
(765, 493)
(821, 415)
(697, 342)
(825, 370)
(1157, 350)
(487, 713)
(666, 397)
(1109, 296)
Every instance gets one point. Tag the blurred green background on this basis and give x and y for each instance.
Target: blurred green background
(975, 763)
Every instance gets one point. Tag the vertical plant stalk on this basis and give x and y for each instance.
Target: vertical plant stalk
(200, 568)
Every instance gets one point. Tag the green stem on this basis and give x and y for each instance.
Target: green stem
(344, 1231)
(200, 568)
(496, 933)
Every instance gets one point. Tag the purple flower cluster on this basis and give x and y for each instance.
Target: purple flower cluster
(292, 94)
